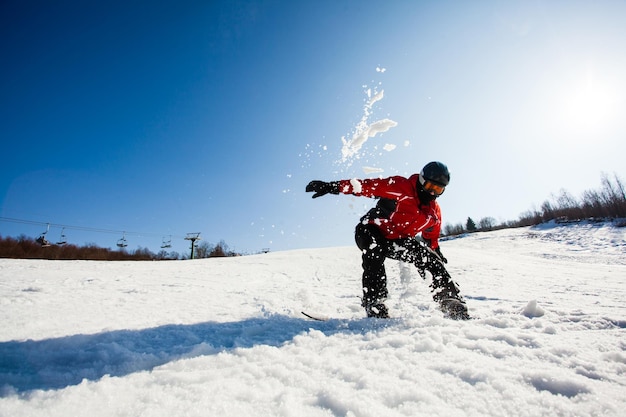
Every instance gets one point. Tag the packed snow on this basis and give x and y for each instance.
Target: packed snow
(225, 336)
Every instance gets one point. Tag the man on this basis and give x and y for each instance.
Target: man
(406, 208)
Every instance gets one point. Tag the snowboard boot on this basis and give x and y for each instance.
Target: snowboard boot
(376, 309)
(446, 293)
(454, 308)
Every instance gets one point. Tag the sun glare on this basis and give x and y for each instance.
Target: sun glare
(588, 105)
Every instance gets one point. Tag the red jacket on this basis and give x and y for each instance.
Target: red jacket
(410, 216)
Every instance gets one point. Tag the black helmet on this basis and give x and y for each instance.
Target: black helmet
(434, 178)
(436, 172)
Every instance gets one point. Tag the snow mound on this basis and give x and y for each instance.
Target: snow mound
(533, 310)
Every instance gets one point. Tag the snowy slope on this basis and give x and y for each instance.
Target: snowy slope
(226, 337)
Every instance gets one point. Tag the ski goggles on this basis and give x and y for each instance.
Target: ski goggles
(431, 187)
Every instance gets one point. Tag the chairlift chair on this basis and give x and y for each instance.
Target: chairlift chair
(166, 243)
(43, 241)
(62, 238)
(42, 238)
(122, 243)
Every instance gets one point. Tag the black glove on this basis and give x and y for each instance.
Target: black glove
(443, 258)
(321, 188)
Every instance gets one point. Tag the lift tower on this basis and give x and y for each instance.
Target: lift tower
(193, 237)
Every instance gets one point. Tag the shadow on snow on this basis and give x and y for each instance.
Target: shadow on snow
(65, 361)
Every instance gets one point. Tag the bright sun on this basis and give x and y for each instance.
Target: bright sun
(588, 105)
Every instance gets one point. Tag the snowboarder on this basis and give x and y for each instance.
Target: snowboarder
(406, 208)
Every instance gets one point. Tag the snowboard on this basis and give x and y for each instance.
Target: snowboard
(316, 317)
(451, 307)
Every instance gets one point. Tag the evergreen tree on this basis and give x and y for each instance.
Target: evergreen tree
(470, 226)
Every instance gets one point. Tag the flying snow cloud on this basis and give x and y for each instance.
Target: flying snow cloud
(364, 129)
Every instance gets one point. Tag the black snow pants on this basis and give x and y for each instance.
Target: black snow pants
(376, 248)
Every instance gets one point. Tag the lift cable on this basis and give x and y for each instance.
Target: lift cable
(83, 228)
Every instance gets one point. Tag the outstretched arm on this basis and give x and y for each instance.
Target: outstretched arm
(392, 187)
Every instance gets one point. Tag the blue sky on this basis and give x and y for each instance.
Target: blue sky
(163, 118)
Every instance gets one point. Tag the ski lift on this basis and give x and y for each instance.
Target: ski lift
(166, 243)
(122, 243)
(193, 237)
(42, 238)
(62, 238)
